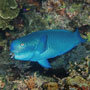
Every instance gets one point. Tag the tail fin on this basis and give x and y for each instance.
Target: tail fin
(78, 35)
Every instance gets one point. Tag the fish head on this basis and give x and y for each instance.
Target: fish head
(21, 49)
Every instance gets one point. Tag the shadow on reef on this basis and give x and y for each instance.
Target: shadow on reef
(60, 72)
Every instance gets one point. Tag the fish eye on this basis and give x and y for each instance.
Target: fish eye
(22, 44)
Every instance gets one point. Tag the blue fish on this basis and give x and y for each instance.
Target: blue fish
(41, 45)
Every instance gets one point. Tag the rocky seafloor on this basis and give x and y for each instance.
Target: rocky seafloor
(70, 71)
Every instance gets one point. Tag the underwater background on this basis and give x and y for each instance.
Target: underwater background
(70, 71)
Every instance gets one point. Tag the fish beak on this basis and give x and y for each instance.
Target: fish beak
(12, 55)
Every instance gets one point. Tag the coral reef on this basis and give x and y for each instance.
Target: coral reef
(8, 11)
(70, 71)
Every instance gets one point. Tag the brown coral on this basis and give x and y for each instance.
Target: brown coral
(31, 83)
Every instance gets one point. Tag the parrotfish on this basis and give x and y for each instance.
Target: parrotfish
(41, 45)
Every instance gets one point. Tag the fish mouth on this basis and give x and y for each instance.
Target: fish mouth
(12, 55)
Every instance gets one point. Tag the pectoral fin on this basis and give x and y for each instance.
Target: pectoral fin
(44, 63)
(41, 47)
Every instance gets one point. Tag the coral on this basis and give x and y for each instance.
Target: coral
(82, 18)
(58, 14)
(78, 80)
(51, 86)
(73, 10)
(34, 82)
(8, 11)
(32, 19)
(19, 85)
(56, 5)
(31, 83)
(2, 83)
(81, 68)
(77, 13)
(4, 23)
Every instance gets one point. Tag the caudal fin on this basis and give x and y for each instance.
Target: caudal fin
(79, 36)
